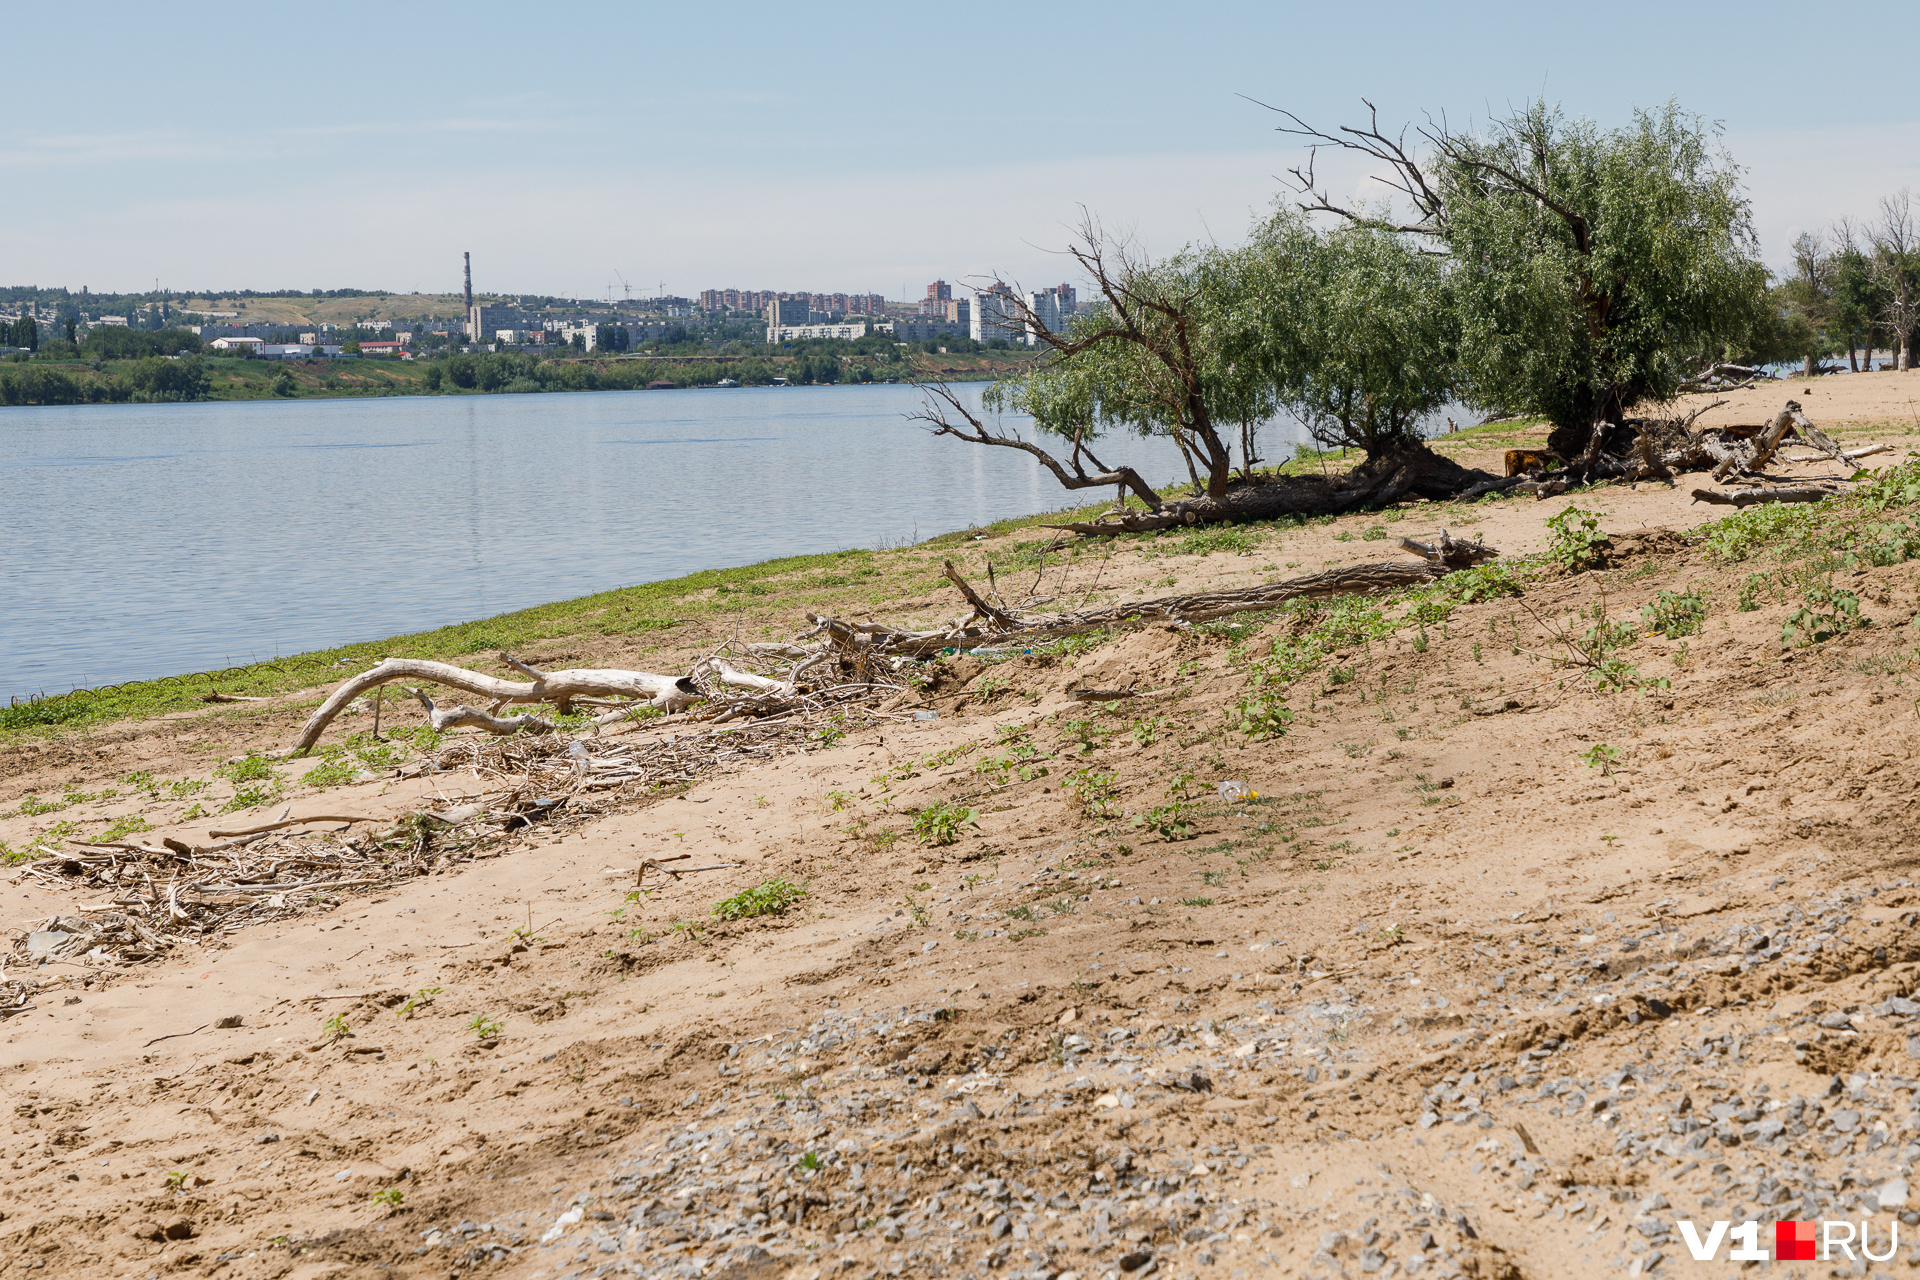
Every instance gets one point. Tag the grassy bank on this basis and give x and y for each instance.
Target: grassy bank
(644, 615)
(650, 617)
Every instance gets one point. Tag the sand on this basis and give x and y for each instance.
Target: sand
(1454, 995)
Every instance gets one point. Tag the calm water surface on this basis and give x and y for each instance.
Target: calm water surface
(147, 540)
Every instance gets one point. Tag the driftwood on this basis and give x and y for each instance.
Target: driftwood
(1724, 377)
(1755, 497)
(666, 693)
(1751, 455)
(872, 640)
(292, 822)
(445, 718)
(1656, 448)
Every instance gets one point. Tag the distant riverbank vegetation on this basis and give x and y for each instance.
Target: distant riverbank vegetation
(120, 366)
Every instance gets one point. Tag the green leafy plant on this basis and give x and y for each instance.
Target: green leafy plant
(768, 898)
(1261, 714)
(330, 773)
(1600, 756)
(1577, 543)
(918, 912)
(941, 822)
(1090, 735)
(1020, 761)
(1675, 613)
(1173, 820)
(126, 826)
(1829, 611)
(417, 1001)
(1094, 790)
(485, 1028)
(390, 1198)
(1196, 902)
(335, 1028)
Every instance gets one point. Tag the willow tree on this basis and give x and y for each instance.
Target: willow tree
(1179, 349)
(1591, 269)
(1348, 330)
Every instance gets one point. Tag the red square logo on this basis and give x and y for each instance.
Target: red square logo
(1793, 1242)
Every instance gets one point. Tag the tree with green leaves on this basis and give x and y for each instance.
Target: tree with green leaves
(1375, 338)
(1896, 269)
(1188, 348)
(1857, 296)
(1591, 268)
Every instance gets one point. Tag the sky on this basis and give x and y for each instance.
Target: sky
(857, 147)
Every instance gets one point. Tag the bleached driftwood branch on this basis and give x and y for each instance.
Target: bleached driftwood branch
(463, 717)
(665, 693)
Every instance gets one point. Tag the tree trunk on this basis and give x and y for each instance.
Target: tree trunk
(1853, 365)
(1806, 367)
(1393, 474)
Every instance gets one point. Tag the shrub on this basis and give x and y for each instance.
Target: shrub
(940, 823)
(768, 898)
(1675, 613)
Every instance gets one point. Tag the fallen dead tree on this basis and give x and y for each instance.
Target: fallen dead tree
(1724, 377)
(1658, 448)
(1756, 497)
(865, 643)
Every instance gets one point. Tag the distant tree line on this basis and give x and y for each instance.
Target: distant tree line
(1853, 288)
(149, 379)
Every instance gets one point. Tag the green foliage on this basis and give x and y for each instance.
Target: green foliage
(1173, 820)
(1094, 790)
(1089, 734)
(1829, 611)
(1897, 486)
(1204, 540)
(330, 773)
(485, 1028)
(389, 1198)
(941, 822)
(126, 826)
(417, 1001)
(1021, 761)
(1600, 756)
(1370, 343)
(335, 1028)
(1786, 527)
(251, 767)
(1675, 613)
(1597, 266)
(1577, 540)
(1261, 715)
(768, 898)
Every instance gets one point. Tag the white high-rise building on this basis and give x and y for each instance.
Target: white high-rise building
(1054, 308)
(996, 314)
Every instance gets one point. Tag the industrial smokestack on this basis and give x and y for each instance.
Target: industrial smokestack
(468, 257)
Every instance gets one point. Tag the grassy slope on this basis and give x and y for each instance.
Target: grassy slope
(755, 594)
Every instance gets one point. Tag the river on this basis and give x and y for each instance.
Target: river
(148, 540)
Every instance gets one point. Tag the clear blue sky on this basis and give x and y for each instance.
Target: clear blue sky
(845, 146)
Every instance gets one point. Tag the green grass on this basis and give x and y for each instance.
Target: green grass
(642, 610)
